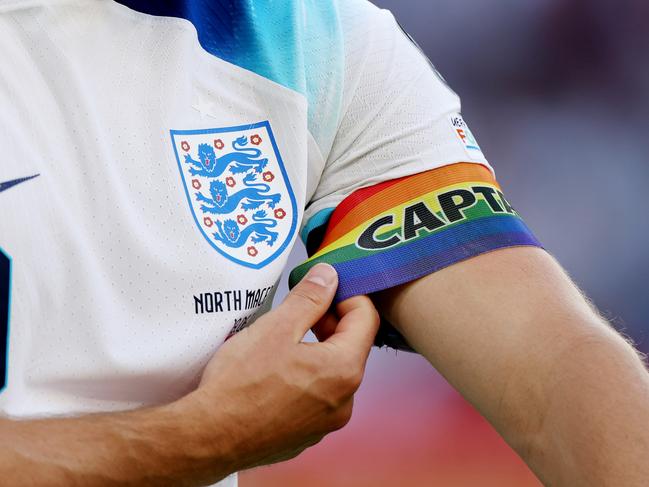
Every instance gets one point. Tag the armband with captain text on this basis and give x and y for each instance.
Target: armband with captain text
(400, 230)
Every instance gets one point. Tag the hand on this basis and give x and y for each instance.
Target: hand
(276, 395)
(264, 397)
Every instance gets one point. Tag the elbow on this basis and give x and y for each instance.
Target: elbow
(552, 396)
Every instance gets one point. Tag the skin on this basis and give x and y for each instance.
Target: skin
(264, 397)
(512, 333)
(508, 329)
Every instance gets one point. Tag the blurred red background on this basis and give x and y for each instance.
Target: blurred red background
(409, 429)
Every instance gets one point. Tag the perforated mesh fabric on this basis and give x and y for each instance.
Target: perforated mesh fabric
(395, 110)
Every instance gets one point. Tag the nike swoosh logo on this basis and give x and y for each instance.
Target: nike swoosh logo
(10, 184)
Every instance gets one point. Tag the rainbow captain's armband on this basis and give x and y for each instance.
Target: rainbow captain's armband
(400, 230)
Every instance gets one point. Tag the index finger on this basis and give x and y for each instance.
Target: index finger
(358, 325)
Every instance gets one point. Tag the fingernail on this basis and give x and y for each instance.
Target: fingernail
(322, 275)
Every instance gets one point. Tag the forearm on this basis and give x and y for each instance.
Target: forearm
(264, 397)
(167, 445)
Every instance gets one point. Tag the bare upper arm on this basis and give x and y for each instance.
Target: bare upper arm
(494, 325)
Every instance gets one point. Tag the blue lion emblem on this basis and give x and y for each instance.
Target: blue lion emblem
(230, 234)
(251, 197)
(238, 190)
(241, 160)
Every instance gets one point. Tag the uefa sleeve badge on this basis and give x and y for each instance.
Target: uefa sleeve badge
(238, 191)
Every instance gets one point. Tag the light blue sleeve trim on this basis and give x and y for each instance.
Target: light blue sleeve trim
(317, 220)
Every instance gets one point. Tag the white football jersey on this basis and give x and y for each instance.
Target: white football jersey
(158, 159)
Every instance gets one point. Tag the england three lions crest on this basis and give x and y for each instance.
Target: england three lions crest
(238, 191)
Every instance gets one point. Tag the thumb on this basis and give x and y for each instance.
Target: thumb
(359, 323)
(308, 300)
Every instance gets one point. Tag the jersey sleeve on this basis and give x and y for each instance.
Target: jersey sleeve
(406, 189)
